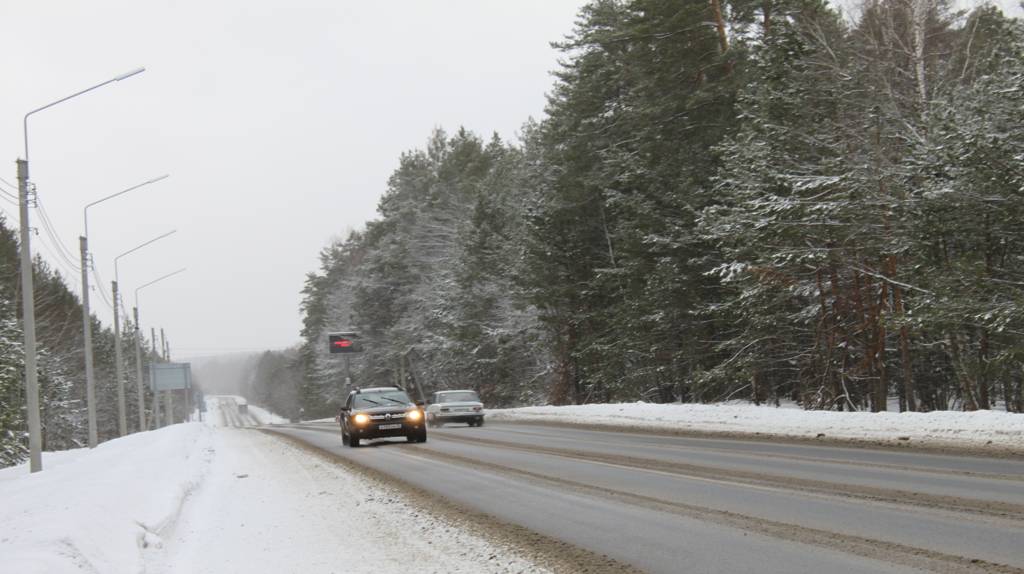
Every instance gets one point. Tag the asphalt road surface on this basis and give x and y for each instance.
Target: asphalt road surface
(676, 504)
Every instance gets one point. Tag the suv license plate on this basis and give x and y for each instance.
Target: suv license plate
(389, 427)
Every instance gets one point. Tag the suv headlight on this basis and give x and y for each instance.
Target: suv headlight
(360, 419)
(414, 415)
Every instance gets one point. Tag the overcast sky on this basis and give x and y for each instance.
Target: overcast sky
(279, 123)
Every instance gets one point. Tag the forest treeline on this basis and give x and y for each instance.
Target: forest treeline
(748, 199)
(61, 362)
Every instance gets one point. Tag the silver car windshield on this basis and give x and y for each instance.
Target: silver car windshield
(459, 397)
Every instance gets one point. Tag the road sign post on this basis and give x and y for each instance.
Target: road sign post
(346, 343)
(170, 377)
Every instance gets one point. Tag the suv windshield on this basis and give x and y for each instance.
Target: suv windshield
(459, 397)
(370, 400)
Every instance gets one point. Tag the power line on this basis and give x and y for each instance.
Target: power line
(58, 261)
(58, 248)
(8, 184)
(44, 217)
(7, 195)
(99, 287)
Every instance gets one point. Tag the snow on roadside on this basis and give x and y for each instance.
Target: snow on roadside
(201, 498)
(993, 429)
(266, 417)
(94, 510)
(270, 506)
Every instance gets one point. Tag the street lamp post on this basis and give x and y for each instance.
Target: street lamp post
(90, 377)
(118, 359)
(138, 345)
(35, 440)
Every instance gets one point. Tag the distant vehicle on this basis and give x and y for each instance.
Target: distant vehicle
(243, 408)
(455, 407)
(380, 412)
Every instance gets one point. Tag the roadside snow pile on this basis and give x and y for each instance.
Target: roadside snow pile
(95, 510)
(939, 428)
(204, 499)
(270, 506)
(266, 417)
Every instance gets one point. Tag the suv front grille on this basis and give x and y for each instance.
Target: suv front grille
(386, 417)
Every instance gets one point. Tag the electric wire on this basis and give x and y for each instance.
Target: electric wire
(9, 185)
(57, 257)
(44, 218)
(8, 196)
(99, 287)
(55, 261)
(57, 247)
(60, 263)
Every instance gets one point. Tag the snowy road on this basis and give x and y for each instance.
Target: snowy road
(678, 504)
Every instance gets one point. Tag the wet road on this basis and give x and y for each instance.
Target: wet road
(676, 504)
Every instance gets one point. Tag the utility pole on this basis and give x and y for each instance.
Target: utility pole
(138, 379)
(90, 376)
(28, 322)
(138, 352)
(154, 357)
(28, 303)
(119, 363)
(168, 395)
(122, 408)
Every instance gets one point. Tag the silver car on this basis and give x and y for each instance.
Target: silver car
(455, 407)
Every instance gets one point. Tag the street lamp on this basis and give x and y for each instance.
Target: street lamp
(118, 360)
(138, 345)
(90, 377)
(35, 439)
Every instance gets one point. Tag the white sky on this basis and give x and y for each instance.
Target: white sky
(279, 123)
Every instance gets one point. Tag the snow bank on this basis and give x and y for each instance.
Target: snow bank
(939, 428)
(269, 506)
(266, 417)
(95, 510)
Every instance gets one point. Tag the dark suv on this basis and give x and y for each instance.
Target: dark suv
(381, 412)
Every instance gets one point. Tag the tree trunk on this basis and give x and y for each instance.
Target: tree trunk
(1020, 396)
(840, 309)
(865, 325)
(826, 342)
(983, 399)
(966, 386)
(723, 38)
(562, 391)
(881, 398)
(920, 23)
(1008, 393)
(755, 388)
(905, 365)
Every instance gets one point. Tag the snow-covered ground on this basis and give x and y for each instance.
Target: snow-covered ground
(266, 417)
(97, 511)
(992, 429)
(199, 497)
